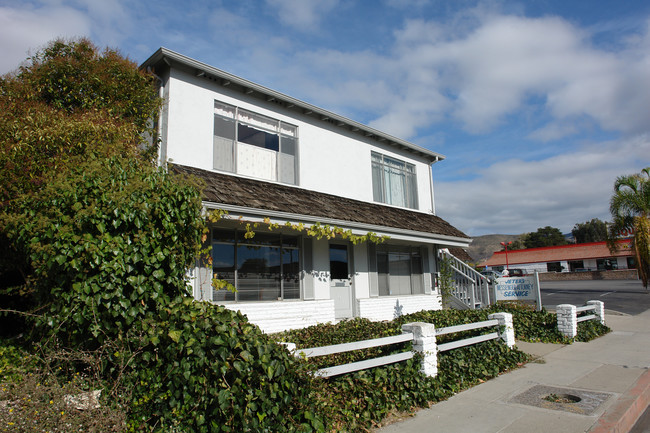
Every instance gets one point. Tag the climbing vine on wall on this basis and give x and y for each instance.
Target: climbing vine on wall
(316, 230)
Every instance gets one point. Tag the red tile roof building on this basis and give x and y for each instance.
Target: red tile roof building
(566, 258)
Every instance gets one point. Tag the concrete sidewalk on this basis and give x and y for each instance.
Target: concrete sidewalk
(610, 376)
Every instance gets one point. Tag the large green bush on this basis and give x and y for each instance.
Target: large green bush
(70, 99)
(104, 244)
(203, 368)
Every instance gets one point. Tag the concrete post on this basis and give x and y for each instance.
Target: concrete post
(567, 322)
(424, 341)
(599, 311)
(508, 334)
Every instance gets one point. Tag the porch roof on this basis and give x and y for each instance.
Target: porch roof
(234, 191)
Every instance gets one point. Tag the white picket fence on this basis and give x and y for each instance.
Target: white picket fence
(423, 336)
(568, 316)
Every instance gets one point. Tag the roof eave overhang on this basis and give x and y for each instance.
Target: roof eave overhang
(357, 228)
(169, 57)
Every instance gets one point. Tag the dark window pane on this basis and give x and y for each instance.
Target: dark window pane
(223, 235)
(256, 137)
(262, 239)
(382, 273)
(291, 273)
(223, 268)
(258, 273)
(554, 267)
(338, 262)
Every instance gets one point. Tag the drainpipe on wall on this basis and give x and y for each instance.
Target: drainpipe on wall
(433, 203)
(162, 151)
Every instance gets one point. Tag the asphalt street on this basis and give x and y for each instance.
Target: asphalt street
(621, 296)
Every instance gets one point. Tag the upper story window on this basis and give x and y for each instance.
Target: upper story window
(254, 145)
(394, 181)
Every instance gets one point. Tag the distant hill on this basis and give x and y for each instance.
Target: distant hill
(482, 247)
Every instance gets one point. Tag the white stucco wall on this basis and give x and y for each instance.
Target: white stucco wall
(321, 264)
(332, 160)
(280, 316)
(361, 278)
(390, 307)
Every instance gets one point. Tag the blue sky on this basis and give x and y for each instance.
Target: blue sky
(538, 105)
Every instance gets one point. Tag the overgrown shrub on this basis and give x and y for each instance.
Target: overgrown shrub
(104, 243)
(55, 391)
(203, 368)
(15, 362)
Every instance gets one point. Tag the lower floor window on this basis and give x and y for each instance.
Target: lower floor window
(399, 269)
(606, 264)
(576, 266)
(554, 267)
(263, 268)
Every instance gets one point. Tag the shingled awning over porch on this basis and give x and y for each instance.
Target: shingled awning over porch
(228, 190)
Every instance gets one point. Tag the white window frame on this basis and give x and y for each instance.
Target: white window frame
(227, 151)
(394, 181)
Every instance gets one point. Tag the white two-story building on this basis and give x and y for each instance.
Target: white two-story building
(267, 157)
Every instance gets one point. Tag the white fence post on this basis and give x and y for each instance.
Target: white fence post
(508, 334)
(424, 341)
(291, 347)
(599, 310)
(567, 322)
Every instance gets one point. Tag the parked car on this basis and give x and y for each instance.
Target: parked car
(517, 272)
(491, 276)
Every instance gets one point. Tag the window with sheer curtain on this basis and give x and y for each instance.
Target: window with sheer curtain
(254, 145)
(399, 270)
(393, 181)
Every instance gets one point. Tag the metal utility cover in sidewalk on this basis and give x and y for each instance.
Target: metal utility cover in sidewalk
(571, 400)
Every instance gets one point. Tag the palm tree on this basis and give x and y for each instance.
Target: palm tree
(630, 209)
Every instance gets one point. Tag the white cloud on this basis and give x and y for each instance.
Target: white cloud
(25, 30)
(515, 196)
(489, 68)
(302, 14)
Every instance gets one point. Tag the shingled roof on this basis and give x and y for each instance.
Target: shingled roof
(224, 189)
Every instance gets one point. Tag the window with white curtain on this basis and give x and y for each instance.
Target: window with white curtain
(393, 181)
(254, 145)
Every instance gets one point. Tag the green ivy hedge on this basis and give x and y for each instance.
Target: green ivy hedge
(541, 326)
(359, 401)
(104, 243)
(202, 368)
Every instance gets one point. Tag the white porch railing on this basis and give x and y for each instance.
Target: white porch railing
(469, 289)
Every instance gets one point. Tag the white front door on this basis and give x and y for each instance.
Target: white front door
(340, 282)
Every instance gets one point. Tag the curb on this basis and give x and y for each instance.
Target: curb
(625, 412)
